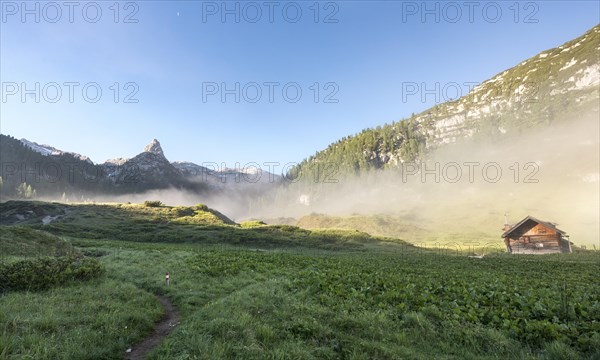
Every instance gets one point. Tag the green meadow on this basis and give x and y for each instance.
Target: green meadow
(84, 286)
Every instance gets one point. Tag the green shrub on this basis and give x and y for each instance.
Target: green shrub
(557, 350)
(95, 253)
(153, 203)
(85, 269)
(202, 207)
(252, 224)
(44, 273)
(181, 211)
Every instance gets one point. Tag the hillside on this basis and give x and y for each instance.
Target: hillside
(19, 242)
(48, 171)
(554, 86)
(380, 224)
(198, 224)
(120, 221)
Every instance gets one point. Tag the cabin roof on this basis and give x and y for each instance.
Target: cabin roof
(545, 223)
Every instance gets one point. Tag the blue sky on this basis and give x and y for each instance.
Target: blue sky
(176, 51)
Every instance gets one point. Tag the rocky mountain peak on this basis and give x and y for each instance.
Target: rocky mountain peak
(154, 147)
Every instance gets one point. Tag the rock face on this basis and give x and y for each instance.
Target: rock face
(147, 169)
(190, 169)
(116, 162)
(154, 147)
(538, 91)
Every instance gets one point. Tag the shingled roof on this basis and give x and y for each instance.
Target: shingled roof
(531, 218)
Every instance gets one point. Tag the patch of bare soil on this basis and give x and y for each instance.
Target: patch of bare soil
(161, 331)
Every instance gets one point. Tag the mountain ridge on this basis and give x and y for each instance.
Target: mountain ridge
(536, 92)
(148, 170)
(48, 150)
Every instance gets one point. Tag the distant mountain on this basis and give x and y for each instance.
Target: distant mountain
(51, 171)
(190, 169)
(557, 84)
(227, 177)
(48, 150)
(149, 169)
(46, 169)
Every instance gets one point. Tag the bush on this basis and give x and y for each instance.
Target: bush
(252, 224)
(559, 351)
(202, 207)
(95, 253)
(44, 273)
(85, 269)
(153, 203)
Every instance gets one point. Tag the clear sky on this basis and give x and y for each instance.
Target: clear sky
(176, 58)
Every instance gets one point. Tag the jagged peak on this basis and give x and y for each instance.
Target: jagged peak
(154, 147)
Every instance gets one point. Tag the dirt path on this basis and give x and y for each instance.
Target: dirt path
(161, 331)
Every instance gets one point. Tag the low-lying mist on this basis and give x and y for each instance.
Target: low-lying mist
(461, 193)
(464, 192)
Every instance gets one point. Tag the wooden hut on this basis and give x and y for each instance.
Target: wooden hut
(533, 236)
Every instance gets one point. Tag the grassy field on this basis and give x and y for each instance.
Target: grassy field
(280, 292)
(19, 242)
